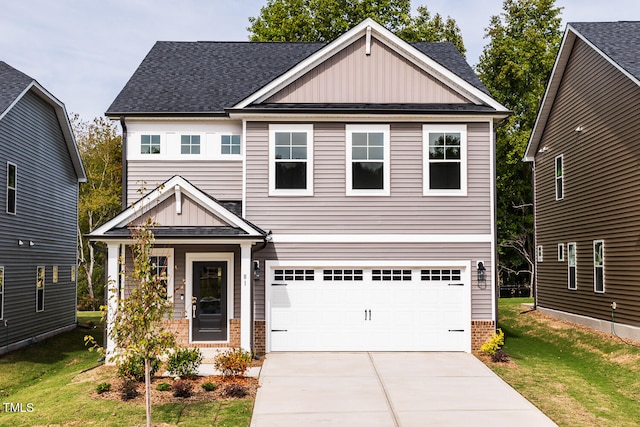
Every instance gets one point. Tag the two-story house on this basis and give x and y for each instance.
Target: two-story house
(314, 196)
(584, 150)
(41, 168)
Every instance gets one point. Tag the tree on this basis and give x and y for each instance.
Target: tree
(325, 20)
(515, 67)
(100, 147)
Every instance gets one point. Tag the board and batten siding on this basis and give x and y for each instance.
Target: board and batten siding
(47, 205)
(601, 189)
(383, 77)
(218, 178)
(481, 294)
(405, 210)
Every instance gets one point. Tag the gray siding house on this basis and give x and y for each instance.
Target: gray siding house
(585, 149)
(41, 170)
(314, 196)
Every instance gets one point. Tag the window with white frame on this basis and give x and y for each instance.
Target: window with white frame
(54, 278)
(229, 144)
(40, 289)
(1, 292)
(12, 188)
(73, 273)
(291, 160)
(572, 261)
(161, 261)
(598, 266)
(560, 251)
(539, 253)
(150, 144)
(445, 160)
(190, 144)
(559, 178)
(368, 165)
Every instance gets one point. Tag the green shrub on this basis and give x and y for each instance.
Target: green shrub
(103, 388)
(184, 362)
(494, 343)
(233, 362)
(132, 368)
(163, 387)
(209, 386)
(181, 389)
(129, 390)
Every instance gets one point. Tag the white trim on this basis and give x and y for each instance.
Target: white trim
(244, 167)
(190, 257)
(441, 128)
(382, 238)
(539, 253)
(169, 253)
(290, 128)
(245, 296)
(556, 177)
(386, 181)
(494, 230)
(364, 117)
(575, 266)
(15, 189)
(113, 296)
(595, 266)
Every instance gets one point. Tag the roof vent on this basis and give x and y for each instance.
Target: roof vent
(367, 49)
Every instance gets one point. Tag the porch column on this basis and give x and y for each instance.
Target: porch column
(245, 296)
(113, 295)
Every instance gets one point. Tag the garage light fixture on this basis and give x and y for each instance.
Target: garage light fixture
(482, 273)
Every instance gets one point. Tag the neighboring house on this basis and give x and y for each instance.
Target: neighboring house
(41, 166)
(585, 150)
(315, 197)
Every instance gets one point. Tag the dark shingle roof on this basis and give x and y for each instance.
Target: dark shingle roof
(12, 84)
(207, 77)
(618, 40)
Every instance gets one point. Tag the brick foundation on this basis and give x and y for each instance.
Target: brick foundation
(259, 337)
(481, 331)
(180, 328)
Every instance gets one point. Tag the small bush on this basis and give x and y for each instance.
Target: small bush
(163, 387)
(234, 362)
(185, 362)
(209, 386)
(129, 390)
(132, 368)
(235, 390)
(181, 389)
(103, 388)
(500, 357)
(494, 343)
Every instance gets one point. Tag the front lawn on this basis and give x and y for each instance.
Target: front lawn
(51, 383)
(577, 376)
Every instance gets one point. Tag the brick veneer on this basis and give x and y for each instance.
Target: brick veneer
(481, 331)
(180, 328)
(259, 337)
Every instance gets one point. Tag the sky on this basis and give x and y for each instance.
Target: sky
(84, 51)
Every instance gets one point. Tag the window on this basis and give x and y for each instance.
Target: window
(445, 164)
(12, 188)
(539, 253)
(161, 260)
(291, 160)
(598, 266)
(150, 144)
(230, 144)
(190, 144)
(342, 275)
(437, 274)
(571, 255)
(159, 270)
(55, 274)
(40, 289)
(560, 251)
(390, 275)
(294, 274)
(368, 168)
(73, 273)
(1, 292)
(559, 180)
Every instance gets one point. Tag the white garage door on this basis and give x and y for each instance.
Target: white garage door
(369, 309)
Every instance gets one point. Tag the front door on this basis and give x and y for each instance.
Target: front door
(209, 302)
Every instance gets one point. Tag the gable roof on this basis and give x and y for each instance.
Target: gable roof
(237, 227)
(14, 85)
(617, 42)
(211, 77)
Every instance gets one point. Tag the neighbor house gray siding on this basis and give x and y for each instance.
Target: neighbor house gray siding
(405, 210)
(47, 194)
(601, 189)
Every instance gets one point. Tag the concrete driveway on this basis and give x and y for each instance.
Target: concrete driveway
(387, 389)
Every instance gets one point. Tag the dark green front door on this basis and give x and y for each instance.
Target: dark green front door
(209, 303)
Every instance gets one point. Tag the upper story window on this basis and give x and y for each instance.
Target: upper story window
(150, 144)
(598, 266)
(571, 258)
(12, 188)
(230, 144)
(445, 160)
(190, 144)
(291, 160)
(368, 152)
(559, 178)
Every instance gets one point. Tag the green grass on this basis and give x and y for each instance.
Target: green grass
(56, 378)
(578, 377)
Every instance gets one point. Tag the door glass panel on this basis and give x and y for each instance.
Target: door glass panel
(210, 284)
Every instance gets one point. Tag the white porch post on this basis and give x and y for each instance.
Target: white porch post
(113, 271)
(245, 296)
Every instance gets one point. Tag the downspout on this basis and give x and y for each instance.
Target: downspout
(123, 124)
(265, 242)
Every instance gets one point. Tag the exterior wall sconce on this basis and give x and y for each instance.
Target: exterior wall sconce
(256, 270)
(482, 273)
